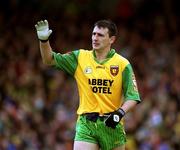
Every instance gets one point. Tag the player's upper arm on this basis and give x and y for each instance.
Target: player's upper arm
(66, 62)
(130, 88)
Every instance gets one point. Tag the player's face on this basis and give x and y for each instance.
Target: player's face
(101, 39)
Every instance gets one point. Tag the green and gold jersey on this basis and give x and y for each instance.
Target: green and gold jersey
(102, 86)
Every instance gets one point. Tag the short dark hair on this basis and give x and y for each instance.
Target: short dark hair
(107, 24)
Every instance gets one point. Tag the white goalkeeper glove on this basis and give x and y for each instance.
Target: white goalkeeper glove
(43, 31)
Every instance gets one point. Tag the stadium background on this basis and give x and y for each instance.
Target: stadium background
(38, 103)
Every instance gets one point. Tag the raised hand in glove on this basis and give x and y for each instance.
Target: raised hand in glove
(114, 118)
(43, 31)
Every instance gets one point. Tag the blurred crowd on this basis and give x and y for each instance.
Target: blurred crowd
(38, 103)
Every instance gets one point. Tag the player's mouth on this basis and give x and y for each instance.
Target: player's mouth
(96, 44)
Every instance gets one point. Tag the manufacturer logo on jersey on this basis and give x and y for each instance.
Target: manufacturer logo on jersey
(88, 70)
(100, 67)
(114, 70)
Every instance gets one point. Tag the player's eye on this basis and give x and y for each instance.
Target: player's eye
(98, 34)
(93, 33)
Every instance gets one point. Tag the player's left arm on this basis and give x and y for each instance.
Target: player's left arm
(130, 89)
(128, 105)
(131, 96)
(129, 85)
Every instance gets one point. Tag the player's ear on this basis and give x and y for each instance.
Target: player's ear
(112, 39)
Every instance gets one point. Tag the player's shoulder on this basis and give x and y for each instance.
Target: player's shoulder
(121, 58)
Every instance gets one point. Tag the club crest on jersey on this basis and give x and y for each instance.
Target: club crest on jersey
(114, 70)
(88, 70)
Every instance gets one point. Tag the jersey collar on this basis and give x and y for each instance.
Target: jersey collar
(109, 55)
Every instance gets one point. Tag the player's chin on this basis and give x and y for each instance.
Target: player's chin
(95, 47)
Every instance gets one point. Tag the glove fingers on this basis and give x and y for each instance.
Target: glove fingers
(46, 23)
(110, 122)
(38, 23)
(36, 26)
(49, 32)
(41, 23)
(111, 125)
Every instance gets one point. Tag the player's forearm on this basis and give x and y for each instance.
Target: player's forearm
(114, 118)
(46, 53)
(128, 105)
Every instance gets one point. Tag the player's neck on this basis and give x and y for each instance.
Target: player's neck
(101, 54)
